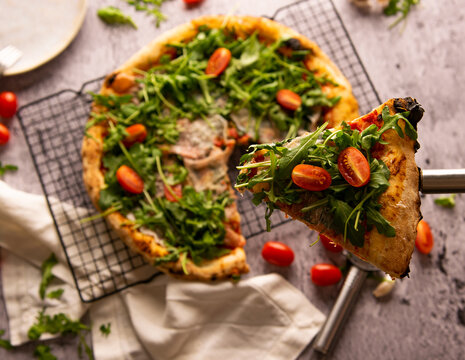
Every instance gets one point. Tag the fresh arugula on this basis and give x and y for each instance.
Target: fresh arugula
(7, 167)
(399, 6)
(353, 211)
(113, 15)
(60, 324)
(42, 352)
(5, 343)
(150, 7)
(56, 294)
(446, 201)
(47, 275)
(105, 329)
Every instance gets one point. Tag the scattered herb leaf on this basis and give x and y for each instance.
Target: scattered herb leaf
(150, 7)
(47, 275)
(4, 343)
(7, 167)
(105, 329)
(56, 294)
(42, 352)
(113, 15)
(446, 201)
(399, 6)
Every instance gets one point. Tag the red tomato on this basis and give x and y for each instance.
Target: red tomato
(8, 104)
(311, 177)
(192, 2)
(4, 134)
(129, 180)
(218, 62)
(329, 244)
(325, 274)
(277, 253)
(363, 122)
(424, 241)
(288, 99)
(232, 132)
(177, 189)
(354, 167)
(136, 133)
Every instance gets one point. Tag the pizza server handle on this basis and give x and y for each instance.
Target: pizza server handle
(444, 181)
(344, 302)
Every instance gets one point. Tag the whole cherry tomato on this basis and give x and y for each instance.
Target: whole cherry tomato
(325, 274)
(218, 62)
(354, 167)
(288, 99)
(277, 253)
(4, 134)
(424, 241)
(177, 189)
(192, 2)
(129, 180)
(311, 177)
(136, 133)
(329, 244)
(8, 104)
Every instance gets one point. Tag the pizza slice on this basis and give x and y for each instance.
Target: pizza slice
(358, 183)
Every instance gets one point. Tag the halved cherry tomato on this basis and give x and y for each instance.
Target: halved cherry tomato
(354, 167)
(129, 180)
(424, 241)
(8, 104)
(325, 274)
(177, 189)
(288, 99)
(136, 133)
(232, 132)
(329, 244)
(311, 177)
(218, 62)
(277, 253)
(4, 134)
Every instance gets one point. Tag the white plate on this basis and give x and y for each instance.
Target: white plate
(41, 29)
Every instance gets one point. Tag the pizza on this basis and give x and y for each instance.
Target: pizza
(357, 183)
(165, 123)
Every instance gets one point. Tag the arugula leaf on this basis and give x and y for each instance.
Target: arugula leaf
(150, 7)
(446, 201)
(4, 343)
(47, 275)
(105, 329)
(399, 6)
(383, 226)
(56, 294)
(7, 167)
(342, 211)
(113, 15)
(42, 352)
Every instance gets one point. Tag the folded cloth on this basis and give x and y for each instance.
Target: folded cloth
(263, 317)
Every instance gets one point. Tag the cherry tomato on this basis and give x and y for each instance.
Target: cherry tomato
(288, 99)
(129, 180)
(311, 177)
(4, 134)
(325, 274)
(177, 189)
(329, 244)
(218, 62)
(136, 133)
(424, 241)
(192, 2)
(354, 167)
(277, 253)
(232, 132)
(8, 104)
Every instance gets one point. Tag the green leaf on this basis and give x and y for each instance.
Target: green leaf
(42, 352)
(342, 211)
(47, 275)
(383, 226)
(7, 167)
(4, 343)
(105, 329)
(56, 294)
(113, 15)
(446, 201)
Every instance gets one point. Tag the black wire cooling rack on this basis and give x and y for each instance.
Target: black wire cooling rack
(53, 126)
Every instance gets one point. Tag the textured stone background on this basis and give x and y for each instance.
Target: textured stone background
(424, 318)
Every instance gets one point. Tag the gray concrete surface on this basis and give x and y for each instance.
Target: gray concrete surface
(424, 318)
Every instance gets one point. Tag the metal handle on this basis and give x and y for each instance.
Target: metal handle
(444, 181)
(346, 298)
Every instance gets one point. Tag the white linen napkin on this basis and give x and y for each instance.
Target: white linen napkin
(263, 317)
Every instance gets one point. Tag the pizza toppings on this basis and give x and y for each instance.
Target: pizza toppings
(136, 133)
(288, 99)
(349, 205)
(310, 177)
(353, 166)
(129, 180)
(218, 62)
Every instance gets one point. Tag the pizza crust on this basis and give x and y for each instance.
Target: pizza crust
(121, 80)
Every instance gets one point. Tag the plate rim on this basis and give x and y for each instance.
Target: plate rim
(60, 49)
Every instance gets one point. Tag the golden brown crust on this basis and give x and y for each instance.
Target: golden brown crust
(121, 80)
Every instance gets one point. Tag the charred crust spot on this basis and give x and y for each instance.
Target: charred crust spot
(110, 79)
(398, 165)
(294, 44)
(409, 104)
(406, 273)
